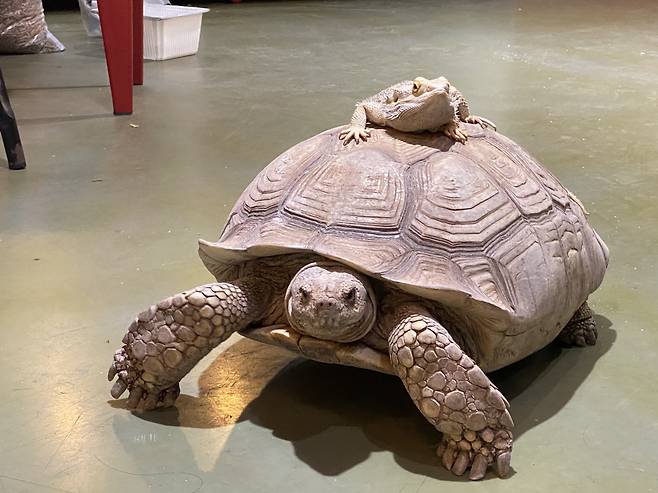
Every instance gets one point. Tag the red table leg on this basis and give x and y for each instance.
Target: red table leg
(117, 27)
(138, 42)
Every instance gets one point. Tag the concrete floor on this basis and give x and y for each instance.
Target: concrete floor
(105, 220)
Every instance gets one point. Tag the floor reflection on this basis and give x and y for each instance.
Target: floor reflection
(335, 416)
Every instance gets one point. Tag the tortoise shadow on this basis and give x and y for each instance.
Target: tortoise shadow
(436, 140)
(335, 416)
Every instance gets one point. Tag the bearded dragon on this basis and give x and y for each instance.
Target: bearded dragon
(414, 106)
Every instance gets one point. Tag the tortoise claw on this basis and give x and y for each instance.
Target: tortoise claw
(118, 388)
(461, 463)
(151, 402)
(448, 457)
(479, 468)
(503, 463)
(134, 397)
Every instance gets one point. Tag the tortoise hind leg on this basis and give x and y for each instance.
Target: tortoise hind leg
(581, 329)
(453, 394)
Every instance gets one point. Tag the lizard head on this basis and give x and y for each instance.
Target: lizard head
(421, 85)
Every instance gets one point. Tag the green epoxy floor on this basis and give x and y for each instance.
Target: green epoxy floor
(105, 220)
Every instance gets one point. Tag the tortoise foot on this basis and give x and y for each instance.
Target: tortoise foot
(143, 395)
(165, 341)
(584, 334)
(454, 394)
(581, 329)
(477, 451)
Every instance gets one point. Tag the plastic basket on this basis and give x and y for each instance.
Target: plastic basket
(171, 31)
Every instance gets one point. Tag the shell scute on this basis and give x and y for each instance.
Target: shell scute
(372, 194)
(459, 204)
(263, 196)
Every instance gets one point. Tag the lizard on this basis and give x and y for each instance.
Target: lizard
(414, 106)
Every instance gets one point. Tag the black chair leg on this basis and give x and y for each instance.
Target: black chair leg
(9, 130)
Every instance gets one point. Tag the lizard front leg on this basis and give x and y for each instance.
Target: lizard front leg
(370, 109)
(357, 128)
(480, 120)
(454, 131)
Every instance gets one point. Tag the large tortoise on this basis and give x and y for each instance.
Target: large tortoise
(408, 254)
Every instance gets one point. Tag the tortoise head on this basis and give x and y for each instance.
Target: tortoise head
(330, 301)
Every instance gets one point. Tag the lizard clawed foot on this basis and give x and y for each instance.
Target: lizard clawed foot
(478, 120)
(354, 133)
(453, 131)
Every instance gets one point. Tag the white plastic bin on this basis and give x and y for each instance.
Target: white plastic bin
(171, 31)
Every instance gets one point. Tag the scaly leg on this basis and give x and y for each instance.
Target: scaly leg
(581, 329)
(167, 340)
(480, 120)
(357, 128)
(454, 394)
(453, 131)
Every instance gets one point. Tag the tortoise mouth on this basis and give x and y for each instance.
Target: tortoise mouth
(276, 333)
(357, 354)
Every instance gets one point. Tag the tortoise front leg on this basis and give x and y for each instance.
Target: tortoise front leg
(167, 340)
(454, 394)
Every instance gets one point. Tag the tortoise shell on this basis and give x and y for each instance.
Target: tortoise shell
(481, 228)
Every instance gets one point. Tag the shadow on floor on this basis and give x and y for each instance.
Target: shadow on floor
(65, 119)
(335, 417)
(59, 88)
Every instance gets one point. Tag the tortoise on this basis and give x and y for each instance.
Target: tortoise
(408, 254)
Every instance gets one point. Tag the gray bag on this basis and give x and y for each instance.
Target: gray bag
(23, 28)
